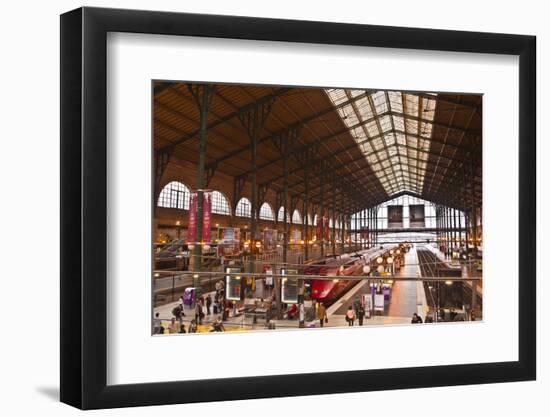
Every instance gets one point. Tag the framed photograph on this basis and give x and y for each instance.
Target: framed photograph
(257, 208)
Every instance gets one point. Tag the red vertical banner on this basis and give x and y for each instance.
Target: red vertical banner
(325, 224)
(206, 216)
(318, 227)
(192, 226)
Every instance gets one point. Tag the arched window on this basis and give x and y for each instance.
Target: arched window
(296, 218)
(266, 212)
(309, 220)
(281, 215)
(337, 224)
(315, 220)
(220, 205)
(174, 195)
(243, 208)
(330, 222)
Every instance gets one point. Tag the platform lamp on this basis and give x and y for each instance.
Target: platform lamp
(389, 261)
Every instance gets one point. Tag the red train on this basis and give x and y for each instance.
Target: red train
(328, 290)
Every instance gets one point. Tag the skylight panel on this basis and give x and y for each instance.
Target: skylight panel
(385, 123)
(399, 123)
(372, 128)
(380, 102)
(394, 144)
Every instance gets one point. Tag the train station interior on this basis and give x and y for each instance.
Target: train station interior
(304, 207)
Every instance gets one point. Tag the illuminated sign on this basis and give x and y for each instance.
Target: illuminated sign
(233, 285)
(289, 286)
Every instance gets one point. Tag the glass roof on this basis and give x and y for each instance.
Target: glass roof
(393, 131)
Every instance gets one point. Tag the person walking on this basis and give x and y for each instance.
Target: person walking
(157, 324)
(198, 312)
(208, 304)
(322, 314)
(193, 326)
(177, 312)
(350, 316)
(301, 315)
(360, 312)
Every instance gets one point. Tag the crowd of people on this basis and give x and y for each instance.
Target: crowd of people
(442, 315)
(214, 306)
(203, 306)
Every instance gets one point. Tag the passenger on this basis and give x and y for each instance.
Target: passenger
(157, 324)
(301, 315)
(193, 326)
(198, 312)
(222, 305)
(268, 306)
(270, 325)
(350, 316)
(429, 319)
(182, 329)
(291, 311)
(215, 305)
(322, 314)
(178, 313)
(208, 304)
(452, 314)
(217, 326)
(360, 313)
(225, 308)
(416, 319)
(174, 326)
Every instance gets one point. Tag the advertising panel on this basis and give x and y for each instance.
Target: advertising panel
(318, 227)
(206, 215)
(229, 241)
(270, 239)
(192, 227)
(395, 216)
(289, 286)
(416, 215)
(233, 284)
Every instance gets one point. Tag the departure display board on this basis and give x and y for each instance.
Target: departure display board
(289, 286)
(233, 284)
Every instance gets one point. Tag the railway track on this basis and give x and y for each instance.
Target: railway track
(447, 295)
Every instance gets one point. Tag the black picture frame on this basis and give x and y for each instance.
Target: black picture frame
(84, 207)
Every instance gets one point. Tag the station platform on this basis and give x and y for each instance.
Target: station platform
(407, 297)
